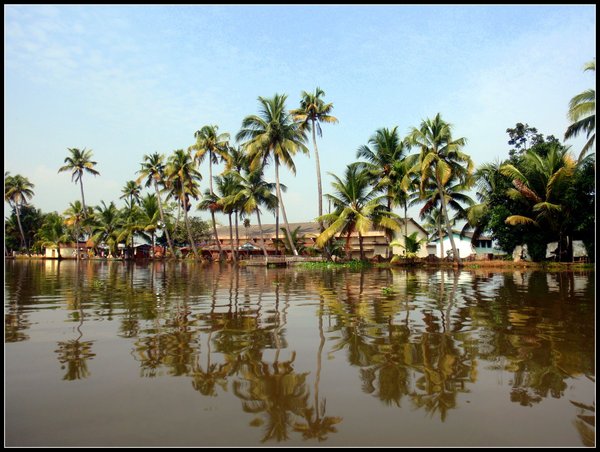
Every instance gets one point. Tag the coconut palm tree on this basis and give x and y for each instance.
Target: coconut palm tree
(216, 146)
(540, 183)
(17, 191)
(76, 217)
(52, 232)
(382, 164)
(273, 134)
(131, 190)
(79, 162)
(582, 113)
(108, 223)
(313, 111)
(153, 170)
(357, 208)
(227, 186)
(256, 192)
(440, 158)
(184, 179)
(212, 144)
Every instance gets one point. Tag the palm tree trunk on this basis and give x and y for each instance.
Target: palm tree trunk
(405, 222)
(162, 218)
(233, 257)
(439, 225)
(280, 199)
(18, 215)
(82, 197)
(214, 223)
(447, 220)
(360, 245)
(187, 226)
(347, 247)
(262, 237)
(237, 236)
(319, 188)
(277, 228)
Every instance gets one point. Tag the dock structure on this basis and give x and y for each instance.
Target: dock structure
(280, 261)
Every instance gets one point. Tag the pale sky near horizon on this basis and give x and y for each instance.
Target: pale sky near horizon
(126, 81)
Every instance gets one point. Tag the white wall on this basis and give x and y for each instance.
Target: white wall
(399, 235)
(464, 247)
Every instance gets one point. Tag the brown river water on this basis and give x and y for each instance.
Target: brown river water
(180, 354)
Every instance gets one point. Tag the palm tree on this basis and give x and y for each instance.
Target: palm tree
(357, 208)
(150, 216)
(52, 232)
(75, 217)
(272, 133)
(540, 184)
(210, 142)
(383, 163)
(256, 192)
(582, 113)
(227, 187)
(210, 202)
(78, 163)
(184, 178)
(107, 226)
(17, 191)
(311, 113)
(153, 169)
(439, 159)
(131, 190)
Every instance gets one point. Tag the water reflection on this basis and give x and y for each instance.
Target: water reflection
(421, 344)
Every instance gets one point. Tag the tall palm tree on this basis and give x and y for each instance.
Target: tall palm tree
(439, 159)
(17, 191)
(78, 163)
(210, 202)
(214, 145)
(383, 164)
(184, 178)
(256, 192)
(313, 111)
(357, 208)
(153, 170)
(227, 186)
(273, 134)
(131, 190)
(582, 113)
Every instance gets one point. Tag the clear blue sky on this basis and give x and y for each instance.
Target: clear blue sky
(126, 81)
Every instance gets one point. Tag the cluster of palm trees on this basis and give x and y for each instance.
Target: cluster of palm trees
(437, 175)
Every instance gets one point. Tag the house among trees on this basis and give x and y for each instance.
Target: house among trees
(375, 242)
(482, 248)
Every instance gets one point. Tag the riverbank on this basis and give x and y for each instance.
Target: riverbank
(466, 265)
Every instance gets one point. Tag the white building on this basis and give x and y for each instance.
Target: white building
(481, 250)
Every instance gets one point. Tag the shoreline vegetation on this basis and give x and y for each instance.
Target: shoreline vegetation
(495, 265)
(542, 194)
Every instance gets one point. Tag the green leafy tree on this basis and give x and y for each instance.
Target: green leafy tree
(312, 112)
(582, 114)
(440, 159)
(184, 179)
(79, 162)
(357, 208)
(153, 171)
(18, 190)
(273, 134)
